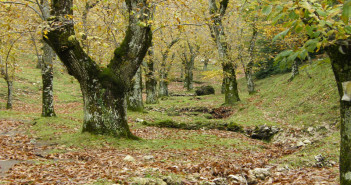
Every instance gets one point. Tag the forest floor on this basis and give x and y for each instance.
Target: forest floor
(37, 150)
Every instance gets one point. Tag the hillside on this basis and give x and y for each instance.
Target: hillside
(50, 150)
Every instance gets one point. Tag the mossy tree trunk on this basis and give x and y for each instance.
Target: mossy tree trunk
(150, 80)
(217, 32)
(341, 62)
(135, 99)
(104, 89)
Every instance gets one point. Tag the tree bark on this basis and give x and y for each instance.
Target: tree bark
(47, 70)
(9, 94)
(104, 89)
(217, 32)
(47, 74)
(341, 62)
(135, 99)
(150, 81)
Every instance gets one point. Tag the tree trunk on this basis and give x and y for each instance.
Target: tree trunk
(250, 83)
(150, 81)
(205, 64)
(248, 69)
(47, 73)
(163, 86)
(341, 63)
(104, 89)
(230, 84)
(135, 99)
(9, 94)
(189, 77)
(105, 109)
(217, 32)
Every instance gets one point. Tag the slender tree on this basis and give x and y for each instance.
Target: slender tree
(47, 70)
(164, 70)
(217, 32)
(104, 89)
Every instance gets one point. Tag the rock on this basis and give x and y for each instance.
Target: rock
(320, 161)
(332, 163)
(204, 90)
(260, 173)
(129, 158)
(319, 158)
(307, 142)
(220, 181)
(148, 157)
(237, 179)
(264, 132)
(147, 181)
(300, 144)
(138, 120)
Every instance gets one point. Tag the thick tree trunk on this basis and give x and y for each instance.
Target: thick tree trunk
(105, 109)
(250, 83)
(104, 89)
(150, 81)
(47, 73)
(135, 99)
(9, 94)
(341, 63)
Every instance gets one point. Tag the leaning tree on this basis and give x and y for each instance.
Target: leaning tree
(104, 89)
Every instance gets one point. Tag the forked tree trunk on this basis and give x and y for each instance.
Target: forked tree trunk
(341, 63)
(47, 73)
(135, 99)
(104, 89)
(9, 94)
